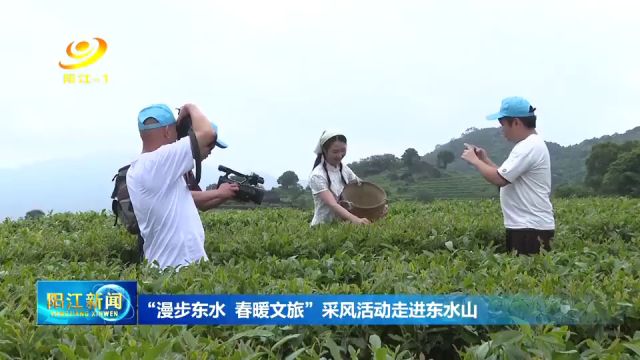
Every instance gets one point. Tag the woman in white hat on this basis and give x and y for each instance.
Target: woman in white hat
(328, 178)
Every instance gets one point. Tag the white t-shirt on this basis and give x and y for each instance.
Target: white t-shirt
(167, 216)
(318, 183)
(525, 202)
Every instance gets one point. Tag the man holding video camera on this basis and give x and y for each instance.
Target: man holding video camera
(165, 208)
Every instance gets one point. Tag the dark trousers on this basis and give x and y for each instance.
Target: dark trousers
(140, 248)
(529, 241)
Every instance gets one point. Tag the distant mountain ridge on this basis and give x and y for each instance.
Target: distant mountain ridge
(77, 185)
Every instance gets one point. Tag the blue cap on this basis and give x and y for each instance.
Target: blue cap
(514, 106)
(219, 143)
(160, 112)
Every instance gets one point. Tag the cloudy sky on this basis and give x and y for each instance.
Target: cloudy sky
(275, 74)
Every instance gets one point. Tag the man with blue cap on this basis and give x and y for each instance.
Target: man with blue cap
(164, 206)
(524, 178)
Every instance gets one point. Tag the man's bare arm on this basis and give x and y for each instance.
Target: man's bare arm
(208, 199)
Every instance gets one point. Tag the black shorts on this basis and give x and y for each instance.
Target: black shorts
(529, 241)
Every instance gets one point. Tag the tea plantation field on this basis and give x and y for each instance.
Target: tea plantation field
(441, 247)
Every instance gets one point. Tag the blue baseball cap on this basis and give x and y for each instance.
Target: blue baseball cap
(219, 143)
(160, 112)
(514, 106)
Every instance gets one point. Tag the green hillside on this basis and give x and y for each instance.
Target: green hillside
(450, 186)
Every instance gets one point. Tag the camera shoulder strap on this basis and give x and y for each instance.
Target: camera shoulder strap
(195, 151)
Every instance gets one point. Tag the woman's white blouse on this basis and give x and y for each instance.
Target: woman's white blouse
(318, 183)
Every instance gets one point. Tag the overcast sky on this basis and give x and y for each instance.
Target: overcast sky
(275, 74)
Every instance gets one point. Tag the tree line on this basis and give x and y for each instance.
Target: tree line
(612, 170)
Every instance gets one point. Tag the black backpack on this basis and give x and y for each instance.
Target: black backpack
(121, 203)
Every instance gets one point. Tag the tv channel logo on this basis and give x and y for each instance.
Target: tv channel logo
(83, 302)
(81, 54)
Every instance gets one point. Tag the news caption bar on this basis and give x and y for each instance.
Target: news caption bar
(118, 303)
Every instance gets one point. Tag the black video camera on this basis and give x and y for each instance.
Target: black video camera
(249, 189)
